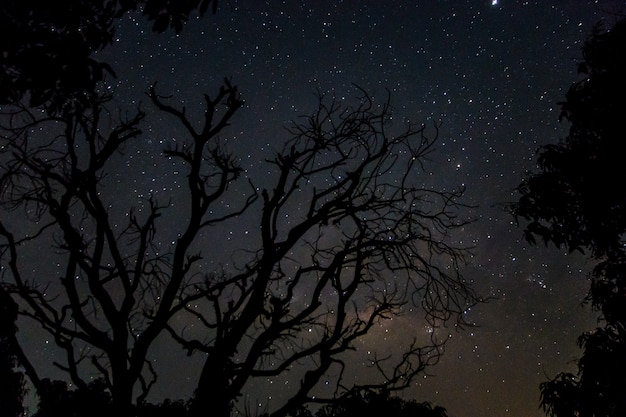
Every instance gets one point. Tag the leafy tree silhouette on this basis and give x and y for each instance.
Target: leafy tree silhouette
(347, 238)
(40, 34)
(576, 201)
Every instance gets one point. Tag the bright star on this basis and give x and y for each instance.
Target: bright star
(494, 2)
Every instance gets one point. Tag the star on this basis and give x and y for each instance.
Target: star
(281, 53)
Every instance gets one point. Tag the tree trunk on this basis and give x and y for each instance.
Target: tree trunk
(213, 397)
(122, 390)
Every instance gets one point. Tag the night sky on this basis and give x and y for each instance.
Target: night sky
(491, 71)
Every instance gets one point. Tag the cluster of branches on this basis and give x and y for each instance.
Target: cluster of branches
(365, 242)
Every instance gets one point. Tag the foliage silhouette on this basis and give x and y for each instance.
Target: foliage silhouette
(47, 50)
(94, 400)
(55, 399)
(566, 203)
(572, 202)
(12, 388)
(347, 236)
(380, 404)
(368, 403)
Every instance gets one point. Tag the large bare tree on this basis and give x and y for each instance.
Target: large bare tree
(347, 238)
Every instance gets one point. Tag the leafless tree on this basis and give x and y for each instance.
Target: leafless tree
(111, 275)
(348, 239)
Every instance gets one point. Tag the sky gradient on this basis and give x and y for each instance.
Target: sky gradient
(492, 72)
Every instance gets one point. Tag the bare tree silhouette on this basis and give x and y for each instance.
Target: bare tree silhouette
(347, 240)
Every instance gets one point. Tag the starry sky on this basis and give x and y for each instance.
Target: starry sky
(491, 71)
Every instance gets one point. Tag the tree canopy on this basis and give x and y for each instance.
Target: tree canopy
(39, 34)
(576, 200)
